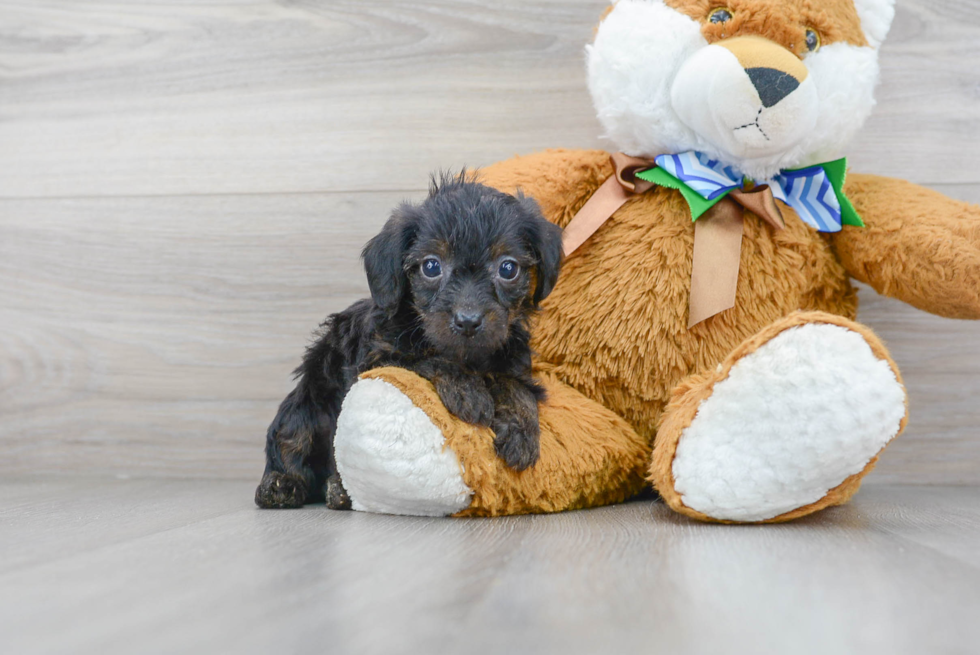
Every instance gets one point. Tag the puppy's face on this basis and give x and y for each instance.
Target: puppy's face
(472, 263)
(470, 278)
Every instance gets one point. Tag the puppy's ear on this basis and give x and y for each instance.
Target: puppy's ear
(384, 258)
(544, 240)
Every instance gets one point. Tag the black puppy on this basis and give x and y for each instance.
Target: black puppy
(453, 283)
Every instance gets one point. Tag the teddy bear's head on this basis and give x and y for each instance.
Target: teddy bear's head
(761, 85)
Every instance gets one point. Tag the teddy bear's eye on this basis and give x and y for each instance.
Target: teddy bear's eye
(720, 15)
(812, 40)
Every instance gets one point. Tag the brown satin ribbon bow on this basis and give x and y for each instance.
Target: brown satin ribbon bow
(717, 234)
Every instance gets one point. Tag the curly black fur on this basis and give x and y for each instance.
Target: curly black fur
(465, 329)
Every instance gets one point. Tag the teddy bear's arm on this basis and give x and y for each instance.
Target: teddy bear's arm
(917, 245)
(400, 451)
(560, 180)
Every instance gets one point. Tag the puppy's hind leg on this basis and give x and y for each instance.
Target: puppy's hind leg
(335, 493)
(290, 479)
(300, 465)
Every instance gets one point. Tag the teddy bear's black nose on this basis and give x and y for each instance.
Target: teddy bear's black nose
(773, 85)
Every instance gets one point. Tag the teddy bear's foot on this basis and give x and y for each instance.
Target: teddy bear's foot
(788, 424)
(391, 457)
(399, 451)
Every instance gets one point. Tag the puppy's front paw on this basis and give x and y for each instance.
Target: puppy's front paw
(516, 442)
(280, 491)
(467, 399)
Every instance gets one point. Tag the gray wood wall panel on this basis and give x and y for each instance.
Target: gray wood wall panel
(184, 189)
(244, 96)
(176, 97)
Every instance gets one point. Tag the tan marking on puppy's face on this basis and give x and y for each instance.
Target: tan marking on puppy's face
(783, 21)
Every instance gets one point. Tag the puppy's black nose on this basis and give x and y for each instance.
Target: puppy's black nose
(468, 322)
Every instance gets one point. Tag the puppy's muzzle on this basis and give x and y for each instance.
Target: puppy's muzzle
(467, 323)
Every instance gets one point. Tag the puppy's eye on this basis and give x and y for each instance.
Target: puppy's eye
(812, 40)
(431, 267)
(508, 269)
(720, 15)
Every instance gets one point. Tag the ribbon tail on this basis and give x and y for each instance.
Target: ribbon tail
(717, 251)
(604, 202)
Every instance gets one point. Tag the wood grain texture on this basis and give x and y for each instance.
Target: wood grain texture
(190, 566)
(171, 97)
(184, 189)
(259, 96)
(155, 336)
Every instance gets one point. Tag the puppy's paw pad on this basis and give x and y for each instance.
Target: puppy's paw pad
(280, 491)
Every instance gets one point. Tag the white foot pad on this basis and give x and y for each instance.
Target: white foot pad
(392, 459)
(792, 421)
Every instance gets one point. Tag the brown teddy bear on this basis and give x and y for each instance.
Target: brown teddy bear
(702, 333)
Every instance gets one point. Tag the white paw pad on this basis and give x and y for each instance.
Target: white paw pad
(792, 420)
(391, 457)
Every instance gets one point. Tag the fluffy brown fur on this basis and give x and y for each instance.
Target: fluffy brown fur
(919, 246)
(782, 21)
(615, 327)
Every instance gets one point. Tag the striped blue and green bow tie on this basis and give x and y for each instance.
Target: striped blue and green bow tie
(815, 193)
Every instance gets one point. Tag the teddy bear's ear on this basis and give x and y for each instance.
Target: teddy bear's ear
(876, 19)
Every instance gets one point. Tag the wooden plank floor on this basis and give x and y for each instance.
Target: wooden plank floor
(160, 566)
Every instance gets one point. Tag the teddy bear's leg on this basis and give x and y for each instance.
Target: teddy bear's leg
(399, 451)
(788, 424)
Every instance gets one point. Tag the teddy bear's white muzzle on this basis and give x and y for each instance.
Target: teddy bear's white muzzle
(744, 112)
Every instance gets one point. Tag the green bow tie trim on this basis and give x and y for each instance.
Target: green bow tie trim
(816, 193)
